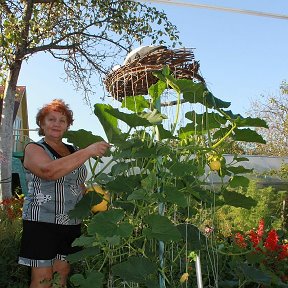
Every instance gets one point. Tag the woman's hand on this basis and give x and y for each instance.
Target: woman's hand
(98, 148)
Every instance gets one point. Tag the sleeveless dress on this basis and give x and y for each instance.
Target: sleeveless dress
(49, 201)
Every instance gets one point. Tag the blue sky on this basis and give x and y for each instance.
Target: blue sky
(241, 57)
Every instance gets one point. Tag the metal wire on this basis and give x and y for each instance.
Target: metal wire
(220, 8)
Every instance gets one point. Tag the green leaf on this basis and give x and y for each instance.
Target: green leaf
(93, 279)
(239, 169)
(149, 182)
(240, 121)
(229, 284)
(163, 149)
(119, 168)
(198, 93)
(135, 269)
(248, 135)
(200, 194)
(132, 120)
(156, 90)
(109, 123)
(206, 121)
(84, 253)
(240, 158)
(172, 82)
(113, 240)
(139, 194)
(154, 117)
(135, 103)
(166, 70)
(161, 228)
(192, 236)
(188, 130)
(238, 181)
(82, 208)
(125, 230)
(255, 275)
(238, 200)
(160, 76)
(144, 152)
(124, 184)
(251, 122)
(255, 258)
(164, 134)
(81, 138)
(182, 168)
(221, 132)
(167, 78)
(174, 196)
(84, 241)
(106, 223)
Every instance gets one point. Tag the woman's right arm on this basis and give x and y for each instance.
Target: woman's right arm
(39, 163)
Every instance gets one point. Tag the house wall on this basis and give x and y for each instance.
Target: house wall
(20, 125)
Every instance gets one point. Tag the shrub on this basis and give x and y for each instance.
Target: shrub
(12, 274)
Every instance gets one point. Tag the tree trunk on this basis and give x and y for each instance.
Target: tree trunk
(6, 130)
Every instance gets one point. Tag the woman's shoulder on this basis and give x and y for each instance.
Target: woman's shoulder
(38, 143)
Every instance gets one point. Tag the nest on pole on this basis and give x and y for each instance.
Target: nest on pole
(136, 75)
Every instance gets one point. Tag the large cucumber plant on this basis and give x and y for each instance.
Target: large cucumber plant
(156, 174)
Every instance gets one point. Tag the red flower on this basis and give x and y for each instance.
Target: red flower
(240, 240)
(284, 252)
(266, 243)
(260, 230)
(255, 239)
(12, 206)
(271, 242)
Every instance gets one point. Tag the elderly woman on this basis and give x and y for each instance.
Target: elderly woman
(55, 173)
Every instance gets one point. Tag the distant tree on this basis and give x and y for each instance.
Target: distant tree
(274, 110)
(229, 218)
(86, 35)
(284, 87)
(283, 174)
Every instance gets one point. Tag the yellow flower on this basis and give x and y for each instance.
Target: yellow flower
(184, 277)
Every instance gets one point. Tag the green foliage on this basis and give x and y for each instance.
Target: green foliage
(140, 270)
(284, 87)
(12, 274)
(156, 176)
(282, 172)
(92, 279)
(86, 136)
(274, 110)
(269, 204)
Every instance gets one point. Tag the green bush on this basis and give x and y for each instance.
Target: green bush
(269, 205)
(12, 274)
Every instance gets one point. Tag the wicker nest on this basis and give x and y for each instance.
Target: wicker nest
(135, 76)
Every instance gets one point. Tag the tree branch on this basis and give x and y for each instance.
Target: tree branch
(44, 1)
(5, 7)
(55, 46)
(89, 60)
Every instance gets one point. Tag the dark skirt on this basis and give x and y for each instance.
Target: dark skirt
(42, 243)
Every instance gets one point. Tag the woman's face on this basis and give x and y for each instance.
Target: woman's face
(54, 124)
